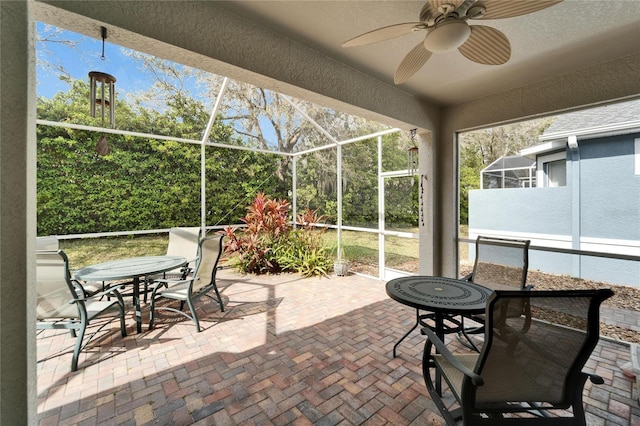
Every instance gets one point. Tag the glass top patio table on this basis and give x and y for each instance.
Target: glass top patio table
(130, 268)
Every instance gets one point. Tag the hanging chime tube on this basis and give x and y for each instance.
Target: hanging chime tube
(112, 102)
(103, 101)
(92, 94)
(107, 87)
(412, 154)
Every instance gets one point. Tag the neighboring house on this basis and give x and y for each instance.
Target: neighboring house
(586, 196)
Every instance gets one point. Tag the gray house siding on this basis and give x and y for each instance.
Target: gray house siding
(534, 210)
(542, 215)
(598, 210)
(609, 190)
(609, 206)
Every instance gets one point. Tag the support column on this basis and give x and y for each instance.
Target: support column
(381, 215)
(17, 215)
(427, 211)
(203, 157)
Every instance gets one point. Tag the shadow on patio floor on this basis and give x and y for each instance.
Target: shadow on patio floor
(309, 351)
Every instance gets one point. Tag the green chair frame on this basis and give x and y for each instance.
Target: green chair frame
(534, 370)
(192, 287)
(499, 264)
(62, 302)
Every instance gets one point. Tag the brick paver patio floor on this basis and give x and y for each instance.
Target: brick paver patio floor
(286, 350)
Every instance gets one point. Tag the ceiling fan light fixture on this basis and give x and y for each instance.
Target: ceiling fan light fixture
(448, 35)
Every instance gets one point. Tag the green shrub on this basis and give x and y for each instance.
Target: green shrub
(268, 244)
(301, 253)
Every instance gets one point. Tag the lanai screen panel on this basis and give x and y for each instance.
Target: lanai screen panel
(260, 118)
(233, 178)
(267, 120)
(401, 203)
(360, 184)
(361, 249)
(142, 184)
(316, 183)
(395, 147)
(401, 253)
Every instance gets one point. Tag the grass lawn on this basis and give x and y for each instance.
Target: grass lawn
(360, 248)
(88, 251)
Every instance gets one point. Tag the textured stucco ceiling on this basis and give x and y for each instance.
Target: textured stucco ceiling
(572, 35)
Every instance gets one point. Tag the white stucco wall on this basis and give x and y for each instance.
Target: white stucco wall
(17, 216)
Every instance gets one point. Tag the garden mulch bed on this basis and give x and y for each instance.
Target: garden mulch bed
(624, 297)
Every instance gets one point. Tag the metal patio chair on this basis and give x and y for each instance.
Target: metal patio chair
(183, 241)
(51, 243)
(62, 302)
(535, 369)
(500, 264)
(191, 288)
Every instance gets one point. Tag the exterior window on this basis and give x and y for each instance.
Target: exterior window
(552, 170)
(555, 173)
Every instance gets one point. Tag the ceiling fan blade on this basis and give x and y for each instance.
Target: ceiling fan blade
(384, 33)
(498, 9)
(411, 63)
(486, 45)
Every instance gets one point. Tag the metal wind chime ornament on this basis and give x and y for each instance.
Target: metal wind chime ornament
(102, 96)
(412, 155)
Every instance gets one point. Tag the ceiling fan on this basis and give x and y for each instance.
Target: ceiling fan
(445, 22)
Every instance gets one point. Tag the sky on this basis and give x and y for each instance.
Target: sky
(130, 76)
(85, 56)
(78, 62)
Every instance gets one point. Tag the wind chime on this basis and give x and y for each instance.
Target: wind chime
(102, 94)
(412, 154)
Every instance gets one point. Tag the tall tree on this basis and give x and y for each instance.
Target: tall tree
(260, 118)
(478, 149)
(491, 144)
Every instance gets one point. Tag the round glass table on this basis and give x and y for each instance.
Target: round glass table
(131, 268)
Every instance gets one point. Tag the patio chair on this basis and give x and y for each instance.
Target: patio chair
(534, 370)
(182, 242)
(500, 264)
(51, 243)
(191, 288)
(62, 304)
